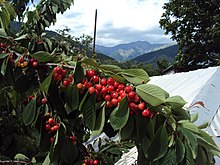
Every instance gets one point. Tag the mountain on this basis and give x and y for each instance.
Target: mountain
(123, 52)
(169, 53)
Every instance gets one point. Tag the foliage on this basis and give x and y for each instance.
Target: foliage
(195, 27)
(54, 101)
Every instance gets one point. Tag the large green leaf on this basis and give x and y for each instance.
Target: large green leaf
(29, 112)
(90, 62)
(206, 141)
(151, 94)
(159, 144)
(111, 68)
(78, 73)
(169, 158)
(100, 122)
(71, 95)
(191, 140)
(46, 83)
(89, 112)
(176, 102)
(43, 56)
(180, 150)
(119, 117)
(128, 129)
(135, 76)
(189, 155)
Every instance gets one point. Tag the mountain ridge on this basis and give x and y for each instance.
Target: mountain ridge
(127, 51)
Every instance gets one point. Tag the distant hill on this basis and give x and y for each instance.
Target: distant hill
(169, 53)
(123, 52)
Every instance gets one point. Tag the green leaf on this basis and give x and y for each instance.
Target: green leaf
(46, 83)
(159, 144)
(135, 76)
(176, 102)
(127, 130)
(169, 158)
(4, 66)
(145, 144)
(71, 96)
(21, 157)
(194, 117)
(191, 140)
(119, 117)
(110, 68)
(3, 55)
(203, 126)
(43, 56)
(29, 112)
(21, 37)
(89, 112)
(90, 62)
(68, 151)
(190, 126)
(151, 94)
(206, 141)
(100, 122)
(189, 155)
(180, 150)
(78, 73)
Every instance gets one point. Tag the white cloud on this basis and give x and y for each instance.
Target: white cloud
(113, 15)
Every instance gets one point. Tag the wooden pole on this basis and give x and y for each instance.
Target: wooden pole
(94, 38)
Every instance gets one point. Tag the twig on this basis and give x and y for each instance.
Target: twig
(13, 162)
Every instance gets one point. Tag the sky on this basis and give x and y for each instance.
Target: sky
(118, 21)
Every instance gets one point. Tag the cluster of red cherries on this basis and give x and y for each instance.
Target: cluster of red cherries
(113, 92)
(90, 162)
(59, 74)
(52, 126)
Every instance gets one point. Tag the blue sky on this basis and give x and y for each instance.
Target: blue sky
(119, 21)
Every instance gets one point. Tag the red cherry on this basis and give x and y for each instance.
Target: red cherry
(107, 98)
(114, 101)
(121, 86)
(32, 60)
(141, 106)
(119, 98)
(98, 87)
(54, 128)
(104, 90)
(95, 162)
(132, 105)
(87, 84)
(123, 94)
(35, 63)
(43, 101)
(111, 88)
(91, 90)
(131, 94)
(108, 104)
(116, 84)
(146, 113)
(52, 139)
(59, 77)
(63, 72)
(128, 89)
(47, 127)
(50, 121)
(103, 81)
(95, 79)
(136, 98)
(73, 138)
(110, 81)
(79, 86)
(91, 162)
(91, 73)
(114, 95)
(66, 82)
